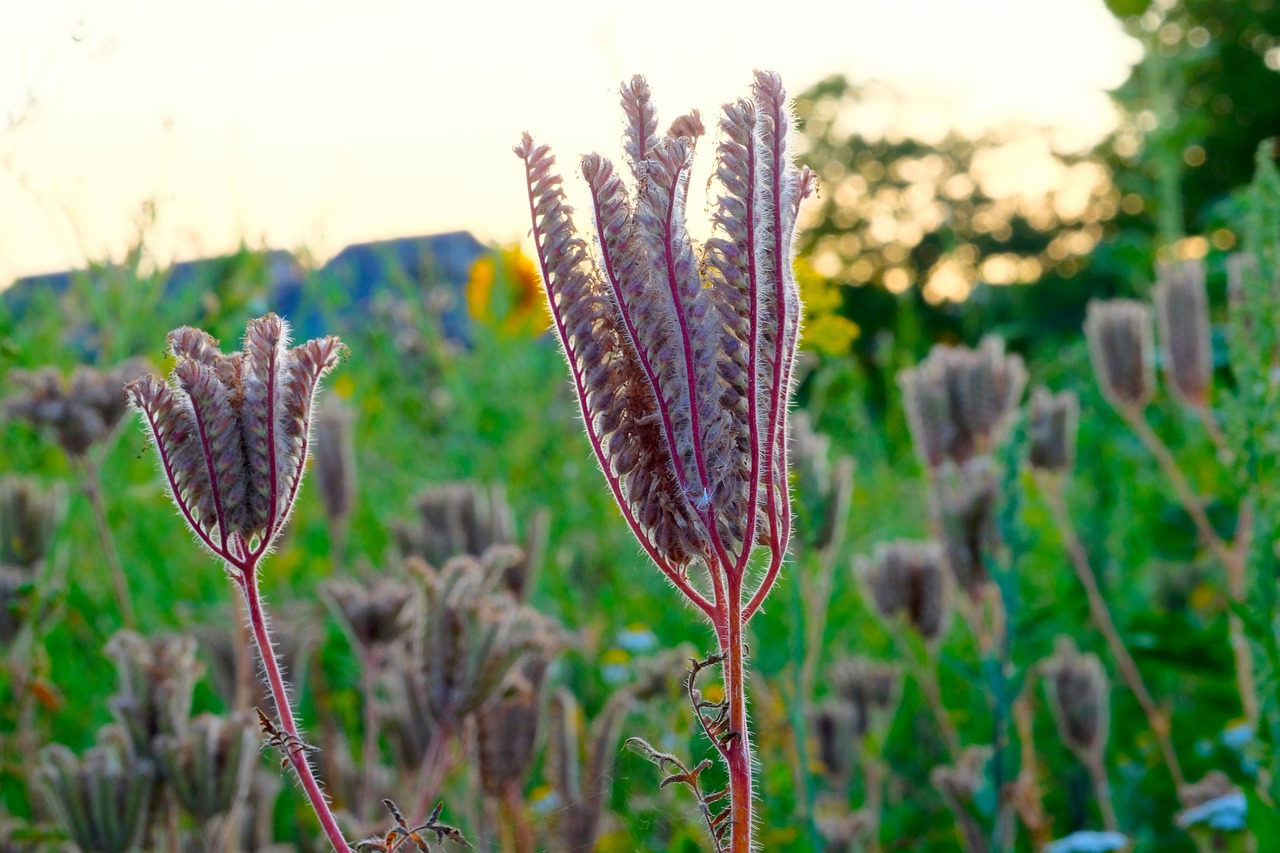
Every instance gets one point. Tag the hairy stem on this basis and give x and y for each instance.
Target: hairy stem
(1051, 488)
(93, 488)
(737, 751)
(295, 750)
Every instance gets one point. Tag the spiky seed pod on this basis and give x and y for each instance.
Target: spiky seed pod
(681, 359)
(374, 613)
(209, 764)
(1121, 349)
(156, 677)
(581, 783)
(1182, 312)
(102, 799)
(16, 593)
(908, 579)
(834, 726)
(1079, 695)
(869, 688)
(1051, 428)
(507, 728)
(959, 401)
(335, 465)
(80, 411)
(233, 430)
(965, 503)
(456, 519)
(28, 516)
(470, 635)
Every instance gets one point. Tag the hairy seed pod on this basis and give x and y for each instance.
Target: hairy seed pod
(335, 466)
(869, 688)
(1051, 429)
(1182, 311)
(908, 579)
(155, 680)
(507, 729)
(1121, 349)
(373, 613)
(103, 798)
(1079, 697)
(82, 410)
(834, 726)
(965, 503)
(456, 519)
(28, 516)
(209, 764)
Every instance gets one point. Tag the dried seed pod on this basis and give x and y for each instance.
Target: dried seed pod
(102, 799)
(233, 431)
(335, 465)
(1079, 695)
(959, 401)
(908, 579)
(1182, 311)
(469, 636)
(28, 516)
(842, 831)
(965, 503)
(581, 782)
(156, 677)
(833, 724)
(960, 785)
(209, 764)
(456, 519)
(80, 411)
(507, 728)
(374, 613)
(1213, 803)
(1121, 349)
(869, 688)
(1052, 430)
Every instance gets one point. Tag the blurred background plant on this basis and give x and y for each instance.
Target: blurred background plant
(437, 445)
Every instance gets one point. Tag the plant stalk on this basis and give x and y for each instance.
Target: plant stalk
(737, 751)
(295, 750)
(93, 488)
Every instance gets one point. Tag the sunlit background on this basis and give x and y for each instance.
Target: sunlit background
(310, 126)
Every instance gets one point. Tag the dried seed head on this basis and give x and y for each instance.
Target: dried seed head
(842, 830)
(156, 677)
(507, 729)
(1120, 347)
(335, 466)
(833, 723)
(581, 782)
(1182, 310)
(102, 799)
(233, 431)
(908, 579)
(959, 402)
(682, 358)
(470, 636)
(456, 519)
(374, 613)
(1213, 803)
(1079, 696)
(28, 516)
(1052, 430)
(966, 502)
(870, 689)
(80, 411)
(208, 765)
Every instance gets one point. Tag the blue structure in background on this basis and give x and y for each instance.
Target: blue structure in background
(407, 266)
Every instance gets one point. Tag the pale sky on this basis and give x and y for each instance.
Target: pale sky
(311, 125)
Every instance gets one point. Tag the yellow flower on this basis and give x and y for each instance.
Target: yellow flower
(826, 330)
(505, 293)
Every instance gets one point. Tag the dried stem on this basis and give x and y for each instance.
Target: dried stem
(1051, 488)
(1102, 791)
(1028, 798)
(294, 748)
(435, 765)
(371, 660)
(518, 815)
(90, 474)
(925, 672)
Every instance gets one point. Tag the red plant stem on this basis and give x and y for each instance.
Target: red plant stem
(296, 755)
(738, 751)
